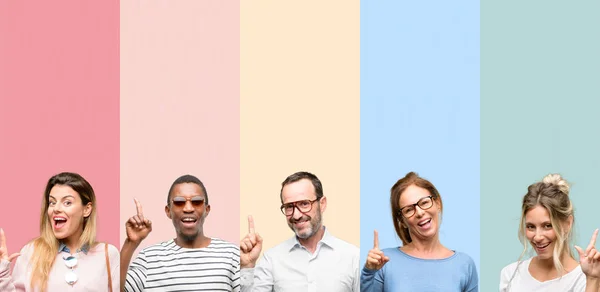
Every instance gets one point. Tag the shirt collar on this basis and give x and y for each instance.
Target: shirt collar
(327, 240)
(63, 248)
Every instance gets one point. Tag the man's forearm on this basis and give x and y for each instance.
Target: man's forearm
(127, 251)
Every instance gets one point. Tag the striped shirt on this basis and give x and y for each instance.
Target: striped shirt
(169, 267)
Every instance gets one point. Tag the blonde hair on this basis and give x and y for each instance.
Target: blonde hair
(552, 193)
(46, 245)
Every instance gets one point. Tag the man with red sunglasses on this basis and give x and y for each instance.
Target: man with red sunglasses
(312, 260)
(190, 262)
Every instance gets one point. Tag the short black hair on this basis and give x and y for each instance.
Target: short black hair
(187, 178)
(300, 176)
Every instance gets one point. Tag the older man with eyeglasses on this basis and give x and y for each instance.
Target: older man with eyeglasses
(190, 262)
(312, 260)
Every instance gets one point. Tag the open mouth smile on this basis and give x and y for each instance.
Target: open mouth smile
(59, 222)
(189, 221)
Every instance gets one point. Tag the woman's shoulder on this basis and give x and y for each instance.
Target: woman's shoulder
(112, 249)
(461, 261)
(463, 257)
(395, 249)
(103, 246)
(512, 267)
(28, 249)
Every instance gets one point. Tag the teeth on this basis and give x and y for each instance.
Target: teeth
(60, 219)
(427, 221)
(188, 219)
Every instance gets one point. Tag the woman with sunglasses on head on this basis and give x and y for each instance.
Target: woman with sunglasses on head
(547, 225)
(422, 263)
(66, 256)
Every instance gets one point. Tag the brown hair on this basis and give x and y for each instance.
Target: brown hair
(300, 176)
(399, 187)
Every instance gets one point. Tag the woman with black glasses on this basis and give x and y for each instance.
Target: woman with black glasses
(66, 256)
(422, 263)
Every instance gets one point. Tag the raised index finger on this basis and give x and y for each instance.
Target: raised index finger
(376, 239)
(593, 240)
(138, 207)
(250, 224)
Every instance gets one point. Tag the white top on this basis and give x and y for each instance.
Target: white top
(291, 267)
(91, 271)
(573, 281)
(169, 267)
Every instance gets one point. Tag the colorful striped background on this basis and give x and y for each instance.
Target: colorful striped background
(133, 94)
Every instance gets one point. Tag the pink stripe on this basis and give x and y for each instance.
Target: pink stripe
(59, 108)
(180, 76)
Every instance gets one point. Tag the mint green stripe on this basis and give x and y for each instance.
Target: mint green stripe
(540, 113)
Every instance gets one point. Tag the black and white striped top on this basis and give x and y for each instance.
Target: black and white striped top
(169, 267)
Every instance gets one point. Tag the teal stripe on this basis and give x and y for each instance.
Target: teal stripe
(540, 78)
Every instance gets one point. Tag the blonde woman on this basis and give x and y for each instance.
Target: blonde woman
(66, 256)
(547, 225)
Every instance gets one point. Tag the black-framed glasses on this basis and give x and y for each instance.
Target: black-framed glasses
(423, 203)
(197, 201)
(304, 206)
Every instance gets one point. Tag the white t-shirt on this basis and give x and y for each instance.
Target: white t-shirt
(573, 281)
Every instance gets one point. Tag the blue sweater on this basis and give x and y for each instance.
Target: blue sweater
(404, 273)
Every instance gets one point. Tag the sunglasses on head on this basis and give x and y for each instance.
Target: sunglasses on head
(197, 201)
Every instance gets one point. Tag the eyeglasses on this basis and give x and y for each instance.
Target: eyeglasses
(197, 201)
(70, 276)
(423, 203)
(303, 206)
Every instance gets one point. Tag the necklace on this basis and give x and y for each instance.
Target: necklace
(71, 263)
